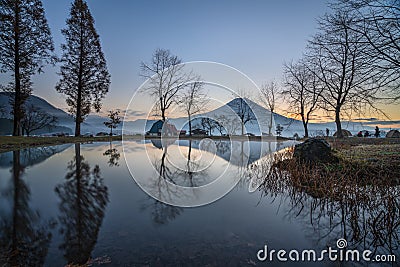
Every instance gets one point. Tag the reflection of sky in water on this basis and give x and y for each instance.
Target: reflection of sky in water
(137, 230)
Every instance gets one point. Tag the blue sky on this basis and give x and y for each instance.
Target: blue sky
(255, 37)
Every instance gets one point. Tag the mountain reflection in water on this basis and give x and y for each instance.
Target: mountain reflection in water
(78, 204)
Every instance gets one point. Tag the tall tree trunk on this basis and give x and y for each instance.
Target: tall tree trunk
(270, 122)
(305, 125)
(162, 109)
(190, 150)
(304, 121)
(163, 115)
(339, 133)
(190, 125)
(78, 108)
(189, 170)
(78, 118)
(17, 97)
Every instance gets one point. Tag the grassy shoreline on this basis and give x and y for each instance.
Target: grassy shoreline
(362, 162)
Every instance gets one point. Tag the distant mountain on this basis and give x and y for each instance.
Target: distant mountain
(62, 116)
(230, 111)
(290, 126)
(93, 123)
(260, 115)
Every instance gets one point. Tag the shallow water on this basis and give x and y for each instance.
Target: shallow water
(71, 203)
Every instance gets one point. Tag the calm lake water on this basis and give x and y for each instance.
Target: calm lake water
(71, 203)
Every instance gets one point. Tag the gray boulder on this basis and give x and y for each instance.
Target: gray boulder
(314, 150)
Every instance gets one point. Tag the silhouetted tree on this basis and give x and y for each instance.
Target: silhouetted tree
(302, 91)
(166, 79)
(36, 119)
(114, 121)
(268, 97)
(379, 23)
(348, 76)
(227, 123)
(84, 76)
(24, 240)
(193, 100)
(84, 198)
(26, 46)
(209, 124)
(241, 106)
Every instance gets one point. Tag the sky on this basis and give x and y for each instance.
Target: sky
(255, 37)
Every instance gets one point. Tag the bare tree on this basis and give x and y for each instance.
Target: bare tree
(193, 100)
(379, 23)
(268, 93)
(220, 125)
(114, 121)
(241, 105)
(227, 124)
(166, 79)
(208, 124)
(349, 78)
(36, 119)
(301, 91)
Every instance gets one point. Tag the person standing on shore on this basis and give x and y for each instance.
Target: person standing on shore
(377, 132)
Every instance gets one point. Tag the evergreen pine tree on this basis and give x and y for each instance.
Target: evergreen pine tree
(84, 76)
(25, 47)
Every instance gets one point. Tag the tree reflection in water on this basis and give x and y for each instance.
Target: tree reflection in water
(367, 215)
(162, 213)
(191, 174)
(113, 155)
(24, 239)
(83, 200)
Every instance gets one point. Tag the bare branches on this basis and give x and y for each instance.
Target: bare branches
(378, 21)
(36, 119)
(166, 79)
(268, 96)
(302, 89)
(338, 61)
(193, 100)
(243, 108)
